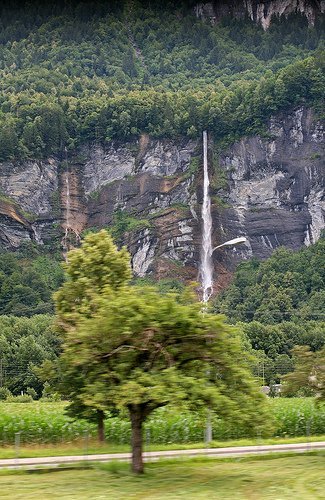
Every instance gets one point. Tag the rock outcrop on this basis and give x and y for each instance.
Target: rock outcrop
(259, 11)
(276, 185)
(151, 192)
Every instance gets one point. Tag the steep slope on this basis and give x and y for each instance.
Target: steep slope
(150, 193)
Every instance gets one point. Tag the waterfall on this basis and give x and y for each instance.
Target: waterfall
(37, 237)
(67, 200)
(206, 268)
(67, 203)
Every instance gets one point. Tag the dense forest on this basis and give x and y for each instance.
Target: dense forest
(72, 72)
(278, 303)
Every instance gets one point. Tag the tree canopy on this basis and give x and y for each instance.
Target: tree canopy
(76, 72)
(308, 376)
(139, 350)
(278, 304)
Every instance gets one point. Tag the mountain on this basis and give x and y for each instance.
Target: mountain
(102, 108)
(260, 12)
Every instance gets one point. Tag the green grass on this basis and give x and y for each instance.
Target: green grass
(291, 477)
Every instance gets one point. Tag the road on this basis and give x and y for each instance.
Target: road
(156, 455)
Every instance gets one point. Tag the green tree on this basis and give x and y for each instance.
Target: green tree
(308, 375)
(131, 348)
(93, 272)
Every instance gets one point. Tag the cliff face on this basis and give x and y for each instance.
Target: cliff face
(270, 190)
(276, 186)
(258, 11)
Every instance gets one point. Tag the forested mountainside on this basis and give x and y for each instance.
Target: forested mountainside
(74, 72)
(102, 107)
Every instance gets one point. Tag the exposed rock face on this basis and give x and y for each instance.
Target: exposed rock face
(30, 184)
(272, 193)
(14, 227)
(259, 11)
(276, 186)
(105, 166)
(73, 204)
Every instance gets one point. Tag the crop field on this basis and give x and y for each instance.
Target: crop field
(41, 422)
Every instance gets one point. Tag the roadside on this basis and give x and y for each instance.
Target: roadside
(157, 455)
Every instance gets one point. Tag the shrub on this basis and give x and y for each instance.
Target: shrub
(4, 393)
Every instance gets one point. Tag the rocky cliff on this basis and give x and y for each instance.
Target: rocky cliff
(269, 189)
(259, 11)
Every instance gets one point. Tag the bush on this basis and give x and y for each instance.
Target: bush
(31, 392)
(4, 393)
(23, 398)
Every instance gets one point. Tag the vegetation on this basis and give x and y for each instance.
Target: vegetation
(133, 349)
(309, 373)
(78, 72)
(278, 304)
(269, 477)
(25, 343)
(28, 279)
(294, 277)
(289, 286)
(42, 422)
(123, 222)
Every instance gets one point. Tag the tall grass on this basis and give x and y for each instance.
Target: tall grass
(47, 423)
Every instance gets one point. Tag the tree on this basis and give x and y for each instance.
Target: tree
(93, 271)
(139, 350)
(309, 373)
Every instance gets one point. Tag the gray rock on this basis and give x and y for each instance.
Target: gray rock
(274, 196)
(30, 183)
(276, 186)
(164, 158)
(104, 166)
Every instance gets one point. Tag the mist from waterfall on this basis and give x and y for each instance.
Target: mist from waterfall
(206, 268)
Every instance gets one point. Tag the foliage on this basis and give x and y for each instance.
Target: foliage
(278, 304)
(309, 373)
(38, 422)
(92, 271)
(25, 343)
(124, 222)
(289, 286)
(130, 348)
(27, 284)
(72, 73)
(141, 340)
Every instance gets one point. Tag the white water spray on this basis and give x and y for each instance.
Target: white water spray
(67, 204)
(206, 269)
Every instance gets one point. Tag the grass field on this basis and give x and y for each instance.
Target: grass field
(299, 477)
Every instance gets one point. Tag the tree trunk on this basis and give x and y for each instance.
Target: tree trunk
(100, 426)
(136, 440)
